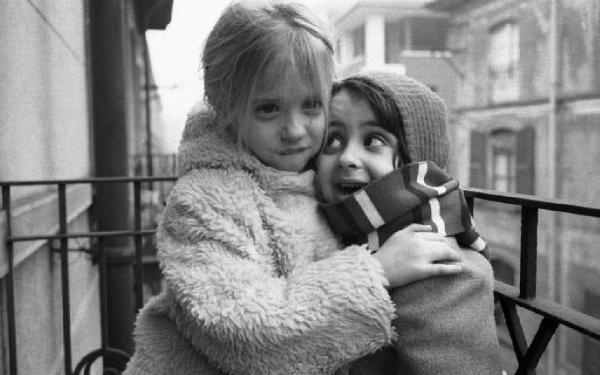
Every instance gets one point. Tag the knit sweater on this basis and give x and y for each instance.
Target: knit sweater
(255, 281)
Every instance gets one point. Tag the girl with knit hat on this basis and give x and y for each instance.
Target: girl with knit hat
(380, 171)
(255, 281)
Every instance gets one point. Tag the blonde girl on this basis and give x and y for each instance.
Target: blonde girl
(255, 281)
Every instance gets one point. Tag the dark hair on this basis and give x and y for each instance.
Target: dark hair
(382, 104)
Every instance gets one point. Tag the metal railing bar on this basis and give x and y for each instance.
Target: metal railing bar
(90, 180)
(87, 361)
(139, 271)
(150, 259)
(103, 295)
(528, 271)
(532, 201)
(113, 233)
(10, 291)
(515, 329)
(538, 346)
(566, 316)
(64, 272)
(470, 202)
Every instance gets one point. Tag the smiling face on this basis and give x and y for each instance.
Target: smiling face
(284, 124)
(358, 150)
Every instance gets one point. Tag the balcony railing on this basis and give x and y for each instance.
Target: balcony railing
(553, 314)
(97, 249)
(527, 355)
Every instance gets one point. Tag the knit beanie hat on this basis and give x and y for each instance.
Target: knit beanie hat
(423, 114)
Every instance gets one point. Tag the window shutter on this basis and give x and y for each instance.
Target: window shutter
(525, 173)
(478, 174)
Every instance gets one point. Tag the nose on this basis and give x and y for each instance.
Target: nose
(349, 158)
(295, 127)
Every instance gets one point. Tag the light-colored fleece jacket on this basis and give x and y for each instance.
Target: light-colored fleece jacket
(255, 280)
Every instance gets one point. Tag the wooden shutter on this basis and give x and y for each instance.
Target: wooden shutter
(478, 166)
(525, 173)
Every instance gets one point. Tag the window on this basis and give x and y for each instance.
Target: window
(503, 58)
(414, 34)
(503, 144)
(358, 41)
(428, 34)
(396, 40)
(503, 160)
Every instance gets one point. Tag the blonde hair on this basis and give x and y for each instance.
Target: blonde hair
(253, 38)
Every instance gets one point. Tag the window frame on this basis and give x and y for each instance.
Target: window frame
(503, 69)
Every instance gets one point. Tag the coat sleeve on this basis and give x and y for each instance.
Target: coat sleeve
(446, 324)
(236, 308)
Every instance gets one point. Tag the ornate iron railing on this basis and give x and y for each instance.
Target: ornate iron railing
(528, 355)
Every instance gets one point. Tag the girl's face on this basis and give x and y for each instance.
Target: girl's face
(285, 123)
(357, 150)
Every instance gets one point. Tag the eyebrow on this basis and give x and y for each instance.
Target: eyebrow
(337, 124)
(372, 124)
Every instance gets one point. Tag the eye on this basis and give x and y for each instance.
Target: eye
(375, 140)
(333, 144)
(267, 110)
(312, 106)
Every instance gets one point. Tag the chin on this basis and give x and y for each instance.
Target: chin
(291, 167)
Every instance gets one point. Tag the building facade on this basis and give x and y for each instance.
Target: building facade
(526, 119)
(72, 106)
(401, 36)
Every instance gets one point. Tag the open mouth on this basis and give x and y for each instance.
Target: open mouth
(349, 188)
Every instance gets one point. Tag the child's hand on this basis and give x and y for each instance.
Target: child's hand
(415, 253)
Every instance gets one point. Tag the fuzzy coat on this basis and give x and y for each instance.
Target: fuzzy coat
(255, 280)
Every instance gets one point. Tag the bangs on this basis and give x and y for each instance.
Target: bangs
(293, 59)
(313, 63)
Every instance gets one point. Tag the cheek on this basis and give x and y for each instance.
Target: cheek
(325, 166)
(317, 129)
(382, 165)
(256, 141)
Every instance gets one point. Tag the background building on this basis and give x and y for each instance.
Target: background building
(401, 36)
(526, 119)
(72, 105)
